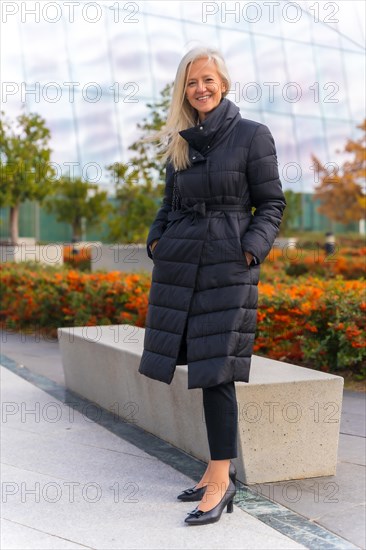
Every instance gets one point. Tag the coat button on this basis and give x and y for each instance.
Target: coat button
(193, 158)
(201, 127)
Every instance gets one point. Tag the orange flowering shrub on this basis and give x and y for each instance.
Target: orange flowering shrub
(295, 261)
(307, 320)
(77, 257)
(45, 299)
(313, 322)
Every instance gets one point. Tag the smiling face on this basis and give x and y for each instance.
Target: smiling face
(204, 87)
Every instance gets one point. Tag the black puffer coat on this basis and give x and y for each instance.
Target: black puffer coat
(203, 298)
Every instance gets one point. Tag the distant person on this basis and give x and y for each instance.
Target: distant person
(329, 245)
(207, 248)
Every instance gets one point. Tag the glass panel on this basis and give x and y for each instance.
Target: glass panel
(351, 25)
(11, 63)
(282, 130)
(295, 23)
(164, 52)
(302, 79)
(355, 75)
(311, 140)
(44, 52)
(97, 130)
(332, 91)
(88, 50)
(133, 56)
(272, 75)
(198, 35)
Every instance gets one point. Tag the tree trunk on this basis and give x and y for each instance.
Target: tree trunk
(14, 224)
(76, 231)
(362, 226)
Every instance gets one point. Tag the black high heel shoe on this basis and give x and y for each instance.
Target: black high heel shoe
(198, 517)
(193, 494)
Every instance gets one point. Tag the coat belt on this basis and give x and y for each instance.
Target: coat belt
(200, 208)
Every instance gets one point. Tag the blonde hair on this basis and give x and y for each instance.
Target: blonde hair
(181, 115)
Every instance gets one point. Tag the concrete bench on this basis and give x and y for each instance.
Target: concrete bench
(289, 416)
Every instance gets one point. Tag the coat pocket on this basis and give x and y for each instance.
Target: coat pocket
(241, 256)
(155, 248)
(246, 265)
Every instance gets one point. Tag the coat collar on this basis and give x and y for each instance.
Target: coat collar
(204, 135)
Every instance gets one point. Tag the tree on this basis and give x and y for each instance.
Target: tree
(76, 199)
(137, 193)
(147, 161)
(135, 205)
(291, 212)
(25, 170)
(339, 190)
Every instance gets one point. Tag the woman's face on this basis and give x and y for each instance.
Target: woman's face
(204, 87)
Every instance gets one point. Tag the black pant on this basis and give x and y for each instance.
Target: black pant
(221, 416)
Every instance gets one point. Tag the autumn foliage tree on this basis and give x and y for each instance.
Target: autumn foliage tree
(339, 190)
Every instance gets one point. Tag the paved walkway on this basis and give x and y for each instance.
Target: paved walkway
(77, 477)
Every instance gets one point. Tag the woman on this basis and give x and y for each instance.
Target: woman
(207, 248)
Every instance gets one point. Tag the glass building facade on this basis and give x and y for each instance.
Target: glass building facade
(90, 68)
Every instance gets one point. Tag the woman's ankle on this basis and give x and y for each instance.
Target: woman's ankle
(205, 478)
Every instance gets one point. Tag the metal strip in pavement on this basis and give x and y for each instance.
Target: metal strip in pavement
(296, 527)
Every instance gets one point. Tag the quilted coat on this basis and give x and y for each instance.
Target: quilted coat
(202, 309)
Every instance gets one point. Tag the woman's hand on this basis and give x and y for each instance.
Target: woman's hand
(153, 244)
(249, 257)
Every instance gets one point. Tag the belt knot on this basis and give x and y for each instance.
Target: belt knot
(194, 212)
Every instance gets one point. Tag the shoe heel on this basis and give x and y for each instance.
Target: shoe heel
(230, 507)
